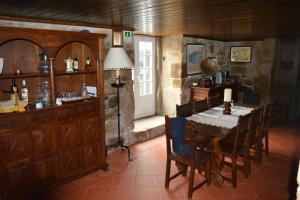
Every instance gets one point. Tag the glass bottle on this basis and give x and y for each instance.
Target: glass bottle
(14, 92)
(88, 64)
(84, 92)
(75, 64)
(24, 91)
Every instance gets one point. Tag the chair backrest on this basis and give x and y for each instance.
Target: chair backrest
(267, 114)
(200, 105)
(257, 122)
(187, 136)
(243, 130)
(215, 101)
(184, 110)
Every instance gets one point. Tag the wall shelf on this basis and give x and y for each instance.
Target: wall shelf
(24, 75)
(62, 73)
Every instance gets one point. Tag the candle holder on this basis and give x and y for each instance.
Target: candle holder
(227, 110)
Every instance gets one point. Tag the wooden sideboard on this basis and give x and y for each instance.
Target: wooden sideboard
(200, 93)
(41, 149)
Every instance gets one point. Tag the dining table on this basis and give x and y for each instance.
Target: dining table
(212, 123)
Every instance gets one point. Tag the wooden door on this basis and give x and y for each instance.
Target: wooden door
(20, 176)
(91, 154)
(45, 169)
(285, 79)
(90, 127)
(71, 162)
(17, 145)
(69, 134)
(43, 139)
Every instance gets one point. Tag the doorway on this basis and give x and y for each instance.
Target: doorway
(144, 76)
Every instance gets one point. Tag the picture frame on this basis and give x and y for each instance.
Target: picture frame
(117, 38)
(195, 53)
(240, 54)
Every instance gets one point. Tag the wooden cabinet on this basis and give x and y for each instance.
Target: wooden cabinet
(199, 93)
(45, 169)
(41, 149)
(69, 134)
(43, 139)
(20, 177)
(17, 145)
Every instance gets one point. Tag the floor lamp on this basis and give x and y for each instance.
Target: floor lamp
(116, 60)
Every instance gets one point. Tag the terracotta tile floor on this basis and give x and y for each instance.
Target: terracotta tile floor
(143, 178)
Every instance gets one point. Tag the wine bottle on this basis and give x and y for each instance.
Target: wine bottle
(75, 64)
(14, 92)
(88, 64)
(24, 91)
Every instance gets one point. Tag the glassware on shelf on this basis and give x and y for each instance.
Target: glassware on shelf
(44, 63)
(39, 104)
(84, 92)
(46, 95)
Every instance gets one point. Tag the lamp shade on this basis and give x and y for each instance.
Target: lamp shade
(117, 58)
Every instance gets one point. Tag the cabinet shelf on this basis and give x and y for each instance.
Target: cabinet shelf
(38, 74)
(24, 75)
(62, 73)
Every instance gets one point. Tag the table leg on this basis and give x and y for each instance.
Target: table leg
(217, 178)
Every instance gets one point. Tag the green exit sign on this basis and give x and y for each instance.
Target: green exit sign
(128, 34)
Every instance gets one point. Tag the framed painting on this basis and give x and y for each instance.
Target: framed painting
(194, 54)
(240, 54)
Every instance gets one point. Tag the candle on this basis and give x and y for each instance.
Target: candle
(227, 95)
(117, 73)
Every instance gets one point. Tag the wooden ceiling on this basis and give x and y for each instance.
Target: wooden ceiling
(217, 19)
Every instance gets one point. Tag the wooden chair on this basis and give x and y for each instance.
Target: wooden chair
(266, 125)
(200, 106)
(215, 101)
(195, 160)
(238, 145)
(184, 110)
(256, 128)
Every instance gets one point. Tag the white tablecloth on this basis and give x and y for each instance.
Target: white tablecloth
(215, 116)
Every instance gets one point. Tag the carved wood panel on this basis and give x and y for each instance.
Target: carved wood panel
(72, 162)
(91, 154)
(69, 134)
(17, 145)
(45, 169)
(20, 176)
(43, 138)
(90, 128)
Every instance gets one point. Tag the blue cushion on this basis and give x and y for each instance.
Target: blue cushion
(253, 99)
(178, 125)
(178, 134)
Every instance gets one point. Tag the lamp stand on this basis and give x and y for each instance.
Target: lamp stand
(120, 141)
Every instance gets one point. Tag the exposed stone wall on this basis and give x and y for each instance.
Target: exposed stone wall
(126, 93)
(170, 77)
(258, 72)
(212, 49)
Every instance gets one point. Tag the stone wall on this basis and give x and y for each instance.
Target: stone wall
(213, 48)
(176, 89)
(258, 72)
(170, 77)
(127, 99)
